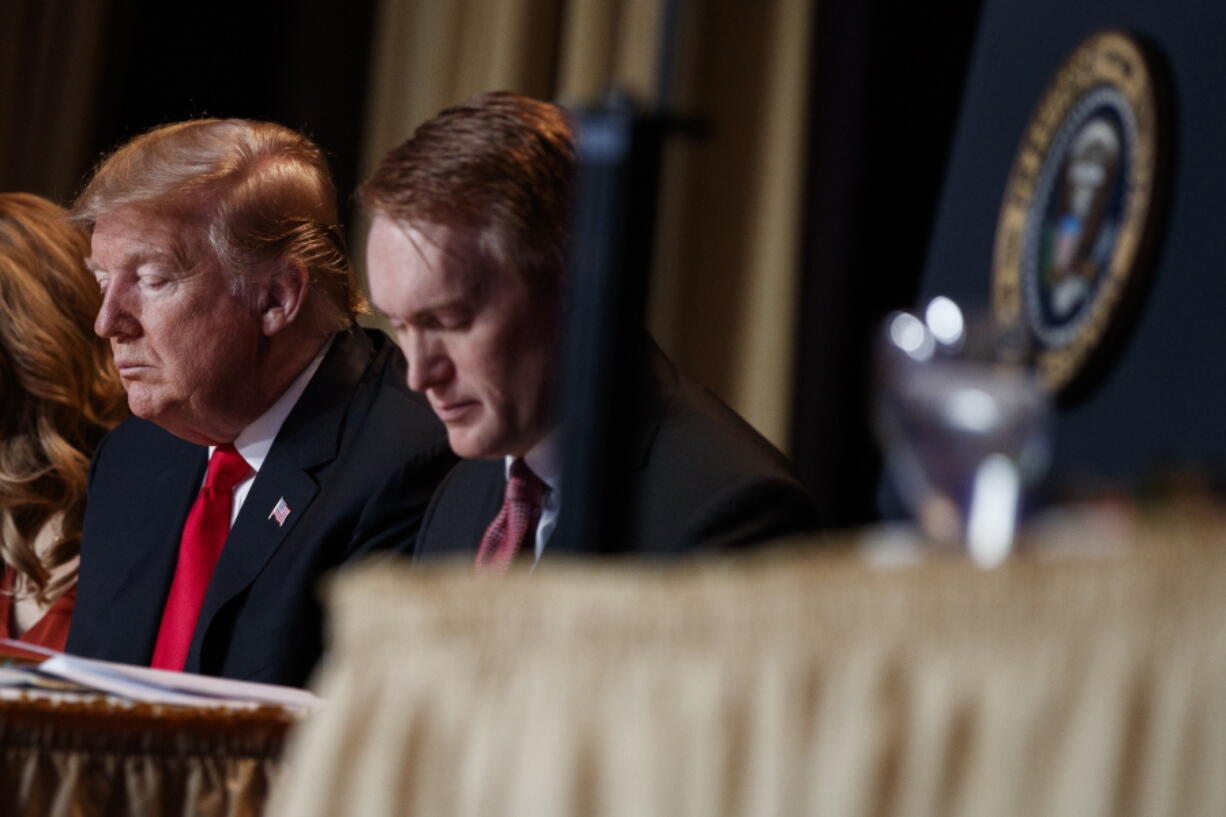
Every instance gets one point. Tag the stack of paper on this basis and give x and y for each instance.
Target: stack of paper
(27, 665)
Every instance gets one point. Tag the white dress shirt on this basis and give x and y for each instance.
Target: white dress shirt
(255, 441)
(543, 460)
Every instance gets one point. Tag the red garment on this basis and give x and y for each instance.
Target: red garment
(204, 536)
(514, 528)
(51, 630)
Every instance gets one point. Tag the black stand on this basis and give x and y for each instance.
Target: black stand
(619, 160)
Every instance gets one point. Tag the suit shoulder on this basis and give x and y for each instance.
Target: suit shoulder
(712, 480)
(135, 430)
(698, 428)
(398, 408)
(139, 439)
(385, 425)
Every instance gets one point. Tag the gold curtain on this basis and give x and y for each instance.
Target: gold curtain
(50, 51)
(726, 261)
(1083, 678)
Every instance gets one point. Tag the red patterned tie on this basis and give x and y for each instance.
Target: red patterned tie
(514, 528)
(204, 535)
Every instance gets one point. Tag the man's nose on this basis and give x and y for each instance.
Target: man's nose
(429, 363)
(115, 318)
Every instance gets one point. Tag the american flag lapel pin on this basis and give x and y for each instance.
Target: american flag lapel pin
(280, 512)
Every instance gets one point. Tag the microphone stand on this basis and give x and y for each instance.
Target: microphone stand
(619, 148)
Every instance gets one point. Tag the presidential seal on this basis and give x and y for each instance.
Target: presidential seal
(1080, 215)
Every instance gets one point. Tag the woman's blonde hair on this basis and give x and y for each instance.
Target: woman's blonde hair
(59, 391)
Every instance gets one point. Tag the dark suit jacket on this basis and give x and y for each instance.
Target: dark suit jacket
(702, 478)
(356, 461)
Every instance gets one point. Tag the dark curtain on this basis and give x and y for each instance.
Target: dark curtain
(52, 54)
(888, 79)
(79, 78)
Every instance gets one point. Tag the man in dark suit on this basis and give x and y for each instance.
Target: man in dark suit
(466, 254)
(273, 439)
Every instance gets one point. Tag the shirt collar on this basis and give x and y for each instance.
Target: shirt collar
(543, 458)
(255, 441)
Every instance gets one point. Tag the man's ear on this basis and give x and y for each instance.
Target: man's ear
(283, 296)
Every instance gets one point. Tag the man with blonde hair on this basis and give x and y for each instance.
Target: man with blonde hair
(273, 439)
(466, 257)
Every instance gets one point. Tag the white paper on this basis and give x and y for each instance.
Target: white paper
(164, 686)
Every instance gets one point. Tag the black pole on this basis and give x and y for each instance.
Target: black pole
(619, 162)
(619, 146)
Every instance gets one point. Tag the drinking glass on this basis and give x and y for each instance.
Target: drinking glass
(964, 424)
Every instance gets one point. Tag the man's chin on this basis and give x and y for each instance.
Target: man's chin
(162, 416)
(158, 417)
(143, 408)
(467, 445)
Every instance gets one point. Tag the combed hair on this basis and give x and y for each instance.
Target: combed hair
(261, 192)
(499, 165)
(59, 391)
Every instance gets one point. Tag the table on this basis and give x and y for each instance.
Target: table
(806, 680)
(92, 755)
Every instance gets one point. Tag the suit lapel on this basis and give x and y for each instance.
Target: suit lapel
(309, 439)
(659, 383)
(464, 507)
(145, 562)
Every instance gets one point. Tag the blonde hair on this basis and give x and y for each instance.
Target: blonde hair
(261, 193)
(59, 392)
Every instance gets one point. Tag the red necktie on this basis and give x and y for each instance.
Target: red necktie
(514, 528)
(204, 535)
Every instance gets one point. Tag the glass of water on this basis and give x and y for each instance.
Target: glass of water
(964, 424)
